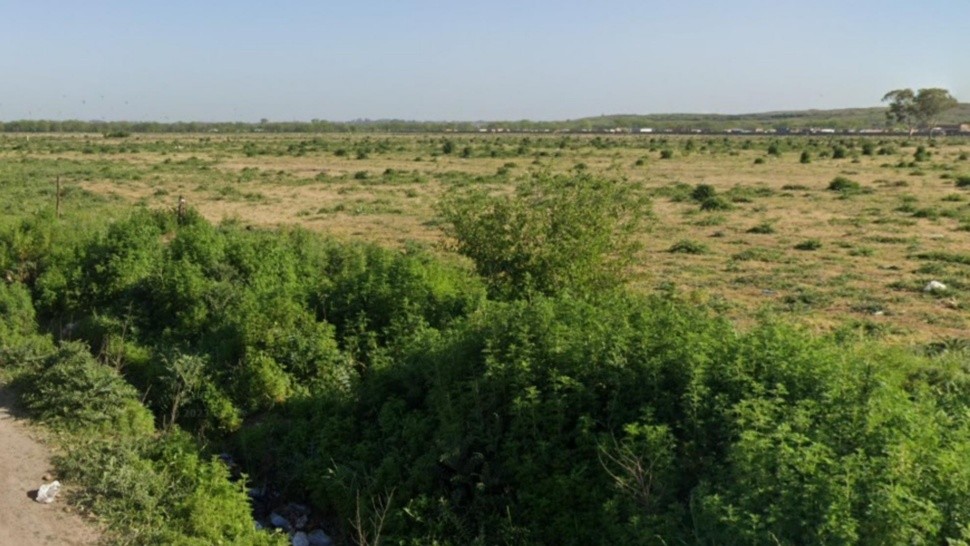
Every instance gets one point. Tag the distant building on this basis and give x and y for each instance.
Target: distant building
(645, 130)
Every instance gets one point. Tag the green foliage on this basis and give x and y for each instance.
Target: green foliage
(917, 109)
(160, 491)
(764, 228)
(809, 244)
(962, 181)
(556, 233)
(74, 387)
(16, 312)
(703, 192)
(806, 157)
(715, 203)
(844, 185)
(560, 411)
(687, 246)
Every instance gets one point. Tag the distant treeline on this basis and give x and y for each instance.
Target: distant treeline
(840, 120)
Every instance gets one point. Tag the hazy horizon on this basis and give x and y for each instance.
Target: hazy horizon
(438, 61)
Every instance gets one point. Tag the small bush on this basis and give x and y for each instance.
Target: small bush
(703, 192)
(962, 181)
(666, 154)
(806, 157)
(844, 185)
(74, 387)
(839, 152)
(764, 228)
(921, 154)
(809, 244)
(715, 203)
(687, 246)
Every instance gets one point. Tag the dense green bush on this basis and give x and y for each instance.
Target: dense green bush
(565, 400)
(844, 185)
(73, 387)
(374, 383)
(556, 233)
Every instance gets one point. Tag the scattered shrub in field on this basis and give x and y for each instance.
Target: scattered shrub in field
(764, 228)
(759, 161)
(962, 181)
(666, 154)
(757, 254)
(844, 185)
(774, 149)
(809, 244)
(687, 246)
(868, 148)
(703, 192)
(963, 156)
(839, 152)
(715, 203)
(555, 233)
(806, 157)
(921, 154)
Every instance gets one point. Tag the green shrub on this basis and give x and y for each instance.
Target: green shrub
(809, 244)
(806, 157)
(921, 154)
(962, 181)
(16, 312)
(687, 246)
(764, 228)
(74, 388)
(703, 192)
(555, 233)
(715, 203)
(666, 154)
(844, 185)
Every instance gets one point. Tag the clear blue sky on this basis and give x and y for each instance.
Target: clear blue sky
(468, 60)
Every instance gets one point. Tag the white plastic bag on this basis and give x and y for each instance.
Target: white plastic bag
(48, 491)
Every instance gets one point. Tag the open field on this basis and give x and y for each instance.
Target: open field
(776, 237)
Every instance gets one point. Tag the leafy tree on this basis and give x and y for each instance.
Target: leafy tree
(918, 109)
(554, 234)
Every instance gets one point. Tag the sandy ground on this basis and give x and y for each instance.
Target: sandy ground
(23, 463)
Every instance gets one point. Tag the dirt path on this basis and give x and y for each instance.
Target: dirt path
(23, 463)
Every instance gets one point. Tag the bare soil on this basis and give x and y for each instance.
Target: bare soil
(24, 462)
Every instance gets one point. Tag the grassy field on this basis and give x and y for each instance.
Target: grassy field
(841, 233)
